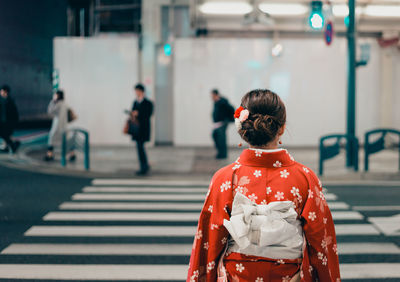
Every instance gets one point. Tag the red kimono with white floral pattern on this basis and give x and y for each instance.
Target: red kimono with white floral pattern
(265, 177)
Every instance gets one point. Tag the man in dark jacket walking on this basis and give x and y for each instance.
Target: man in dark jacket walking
(142, 110)
(8, 118)
(222, 115)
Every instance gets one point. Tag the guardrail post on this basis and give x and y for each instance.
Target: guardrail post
(64, 149)
(86, 152)
(85, 147)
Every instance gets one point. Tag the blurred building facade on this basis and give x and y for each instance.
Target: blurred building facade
(180, 51)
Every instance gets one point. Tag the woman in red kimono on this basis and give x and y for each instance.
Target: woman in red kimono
(265, 217)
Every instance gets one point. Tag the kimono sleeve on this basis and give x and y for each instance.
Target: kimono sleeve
(211, 236)
(320, 234)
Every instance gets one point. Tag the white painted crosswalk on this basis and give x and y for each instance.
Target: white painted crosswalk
(155, 216)
(138, 219)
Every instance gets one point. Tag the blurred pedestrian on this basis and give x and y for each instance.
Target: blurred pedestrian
(142, 110)
(8, 119)
(265, 217)
(58, 110)
(222, 115)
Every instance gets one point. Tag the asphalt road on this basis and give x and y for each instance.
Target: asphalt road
(29, 200)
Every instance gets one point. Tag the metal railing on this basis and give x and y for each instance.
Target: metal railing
(329, 151)
(379, 144)
(75, 139)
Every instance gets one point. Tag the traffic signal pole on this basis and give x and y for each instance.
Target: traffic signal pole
(351, 86)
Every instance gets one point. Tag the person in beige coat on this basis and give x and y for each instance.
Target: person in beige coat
(58, 110)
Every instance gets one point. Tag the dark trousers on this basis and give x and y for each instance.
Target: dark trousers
(219, 136)
(5, 134)
(144, 166)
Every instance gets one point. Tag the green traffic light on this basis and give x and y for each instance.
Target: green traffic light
(316, 18)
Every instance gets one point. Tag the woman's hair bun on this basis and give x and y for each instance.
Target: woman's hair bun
(267, 116)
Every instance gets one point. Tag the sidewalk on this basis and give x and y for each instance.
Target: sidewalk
(191, 163)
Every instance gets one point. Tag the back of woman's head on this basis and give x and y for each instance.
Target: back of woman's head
(267, 115)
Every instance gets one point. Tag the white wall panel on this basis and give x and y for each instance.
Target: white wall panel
(309, 76)
(97, 75)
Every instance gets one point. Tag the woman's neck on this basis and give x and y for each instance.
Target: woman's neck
(271, 146)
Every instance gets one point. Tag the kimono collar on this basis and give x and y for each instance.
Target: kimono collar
(262, 158)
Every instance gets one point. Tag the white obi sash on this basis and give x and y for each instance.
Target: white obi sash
(271, 230)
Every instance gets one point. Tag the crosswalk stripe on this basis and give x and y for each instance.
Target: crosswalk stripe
(129, 206)
(111, 231)
(152, 206)
(171, 197)
(127, 197)
(355, 229)
(160, 231)
(121, 216)
(370, 270)
(202, 191)
(156, 216)
(330, 197)
(93, 272)
(346, 215)
(166, 249)
(148, 182)
(98, 249)
(368, 248)
(160, 271)
(338, 206)
(376, 208)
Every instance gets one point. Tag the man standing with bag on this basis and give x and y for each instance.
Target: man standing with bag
(140, 129)
(222, 115)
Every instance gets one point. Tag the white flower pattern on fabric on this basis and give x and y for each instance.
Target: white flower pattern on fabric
(236, 166)
(280, 261)
(258, 153)
(253, 197)
(239, 267)
(210, 266)
(279, 195)
(306, 170)
(195, 274)
(334, 248)
(321, 195)
(199, 234)
(312, 216)
(325, 220)
(325, 261)
(259, 279)
(296, 193)
(284, 173)
(320, 255)
(214, 226)
(264, 202)
(225, 186)
(286, 278)
(210, 208)
(257, 173)
(310, 269)
(241, 190)
(277, 164)
(206, 245)
(268, 190)
(224, 240)
(324, 244)
(310, 194)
